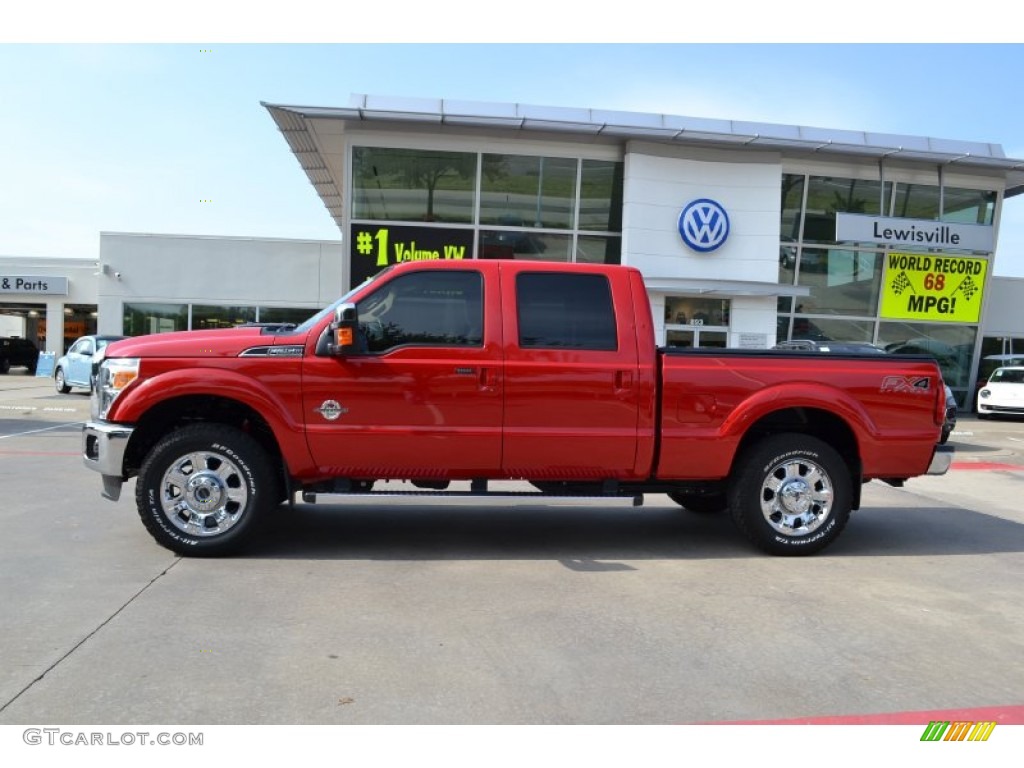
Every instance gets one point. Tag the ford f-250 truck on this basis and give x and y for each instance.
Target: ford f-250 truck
(480, 371)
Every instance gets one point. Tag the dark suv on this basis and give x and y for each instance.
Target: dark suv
(15, 352)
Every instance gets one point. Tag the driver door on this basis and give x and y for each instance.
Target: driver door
(424, 400)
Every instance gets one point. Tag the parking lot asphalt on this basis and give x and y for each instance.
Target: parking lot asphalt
(501, 613)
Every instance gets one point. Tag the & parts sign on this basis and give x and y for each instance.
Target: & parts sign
(933, 287)
(57, 286)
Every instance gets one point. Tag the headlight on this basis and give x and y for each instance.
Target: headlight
(985, 393)
(114, 375)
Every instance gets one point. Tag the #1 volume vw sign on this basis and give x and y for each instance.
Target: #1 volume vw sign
(704, 225)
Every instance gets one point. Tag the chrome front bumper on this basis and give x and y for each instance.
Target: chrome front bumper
(941, 460)
(103, 449)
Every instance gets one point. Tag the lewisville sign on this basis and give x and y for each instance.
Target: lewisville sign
(918, 233)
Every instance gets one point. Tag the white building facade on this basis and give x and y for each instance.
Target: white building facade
(747, 234)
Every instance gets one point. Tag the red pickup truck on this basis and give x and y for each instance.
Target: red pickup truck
(483, 371)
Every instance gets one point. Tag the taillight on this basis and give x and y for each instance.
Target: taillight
(940, 406)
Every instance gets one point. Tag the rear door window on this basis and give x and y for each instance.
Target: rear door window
(565, 311)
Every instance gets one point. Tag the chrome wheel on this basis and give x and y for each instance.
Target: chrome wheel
(796, 497)
(791, 494)
(203, 493)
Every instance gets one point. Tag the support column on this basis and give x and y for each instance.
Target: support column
(55, 326)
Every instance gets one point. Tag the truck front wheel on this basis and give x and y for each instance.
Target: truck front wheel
(203, 489)
(791, 494)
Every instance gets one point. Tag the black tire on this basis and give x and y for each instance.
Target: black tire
(791, 494)
(58, 382)
(5, 365)
(945, 436)
(204, 489)
(702, 504)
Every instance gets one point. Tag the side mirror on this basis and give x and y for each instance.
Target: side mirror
(343, 330)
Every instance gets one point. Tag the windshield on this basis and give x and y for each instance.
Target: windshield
(1008, 376)
(326, 311)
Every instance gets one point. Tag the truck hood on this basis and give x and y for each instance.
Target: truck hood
(224, 342)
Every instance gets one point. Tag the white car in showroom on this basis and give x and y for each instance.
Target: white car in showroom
(1003, 393)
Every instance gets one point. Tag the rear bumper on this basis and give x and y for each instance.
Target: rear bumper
(103, 449)
(941, 460)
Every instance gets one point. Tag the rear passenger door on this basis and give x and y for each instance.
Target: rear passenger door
(571, 375)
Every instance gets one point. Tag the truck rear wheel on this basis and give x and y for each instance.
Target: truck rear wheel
(203, 490)
(791, 494)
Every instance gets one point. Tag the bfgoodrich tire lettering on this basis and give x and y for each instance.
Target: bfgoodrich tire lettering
(204, 489)
(791, 494)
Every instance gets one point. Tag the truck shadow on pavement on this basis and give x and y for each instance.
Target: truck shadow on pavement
(600, 538)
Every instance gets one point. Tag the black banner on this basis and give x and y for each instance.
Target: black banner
(372, 247)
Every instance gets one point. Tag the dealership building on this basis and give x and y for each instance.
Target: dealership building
(746, 233)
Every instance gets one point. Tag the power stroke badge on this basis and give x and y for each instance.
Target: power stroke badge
(331, 410)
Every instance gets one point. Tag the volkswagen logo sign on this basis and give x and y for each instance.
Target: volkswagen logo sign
(704, 225)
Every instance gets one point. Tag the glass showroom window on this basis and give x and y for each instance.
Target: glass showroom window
(969, 206)
(204, 316)
(524, 245)
(524, 197)
(950, 344)
(528, 191)
(789, 226)
(391, 184)
(828, 195)
(79, 320)
(831, 329)
(842, 281)
(601, 196)
(694, 322)
(923, 201)
(143, 319)
(296, 315)
(597, 249)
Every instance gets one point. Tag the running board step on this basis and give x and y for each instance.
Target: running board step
(475, 497)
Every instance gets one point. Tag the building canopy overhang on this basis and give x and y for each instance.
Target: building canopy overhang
(681, 285)
(296, 124)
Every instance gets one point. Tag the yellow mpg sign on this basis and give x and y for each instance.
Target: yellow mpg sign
(925, 286)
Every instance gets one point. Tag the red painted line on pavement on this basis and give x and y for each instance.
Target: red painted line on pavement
(988, 466)
(1009, 715)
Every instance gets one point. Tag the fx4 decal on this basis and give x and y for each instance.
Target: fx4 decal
(920, 385)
